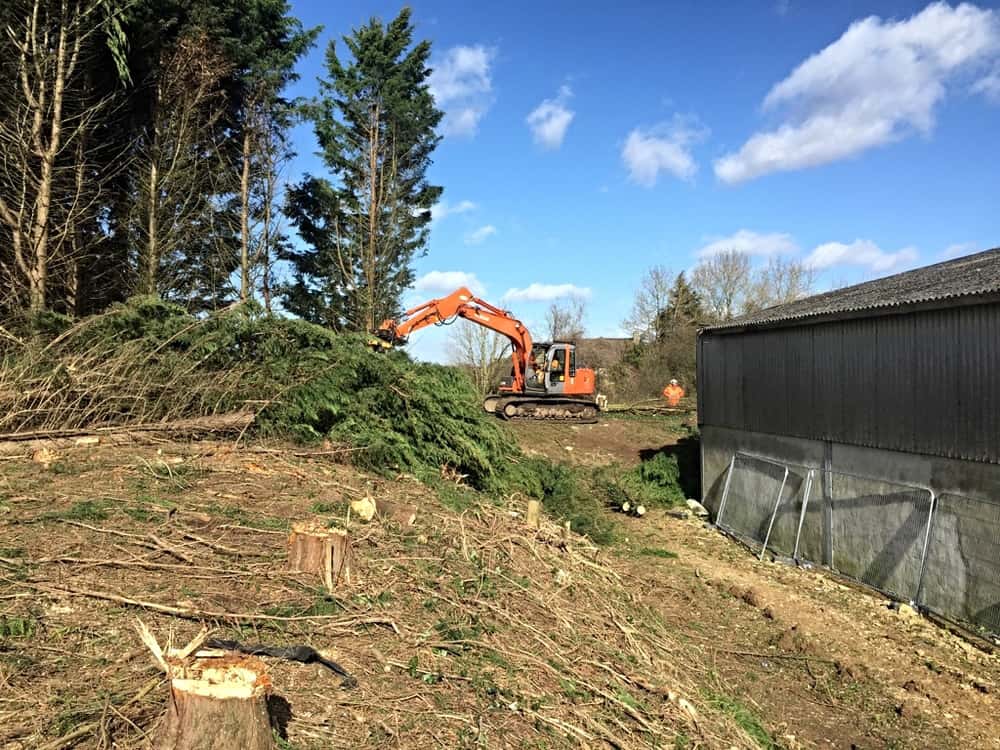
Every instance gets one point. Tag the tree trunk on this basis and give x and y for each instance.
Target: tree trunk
(152, 229)
(314, 548)
(265, 239)
(532, 516)
(373, 208)
(245, 219)
(217, 704)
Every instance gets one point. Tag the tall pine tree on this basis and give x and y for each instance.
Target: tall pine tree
(684, 308)
(375, 121)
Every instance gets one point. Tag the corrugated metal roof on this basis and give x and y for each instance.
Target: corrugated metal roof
(963, 277)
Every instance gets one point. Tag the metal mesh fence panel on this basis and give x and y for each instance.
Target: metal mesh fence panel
(877, 531)
(809, 542)
(751, 493)
(785, 527)
(962, 574)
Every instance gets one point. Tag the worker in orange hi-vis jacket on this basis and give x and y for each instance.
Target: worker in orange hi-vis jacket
(673, 393)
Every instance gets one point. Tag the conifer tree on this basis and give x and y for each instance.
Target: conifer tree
(683, 308)
(375, 121)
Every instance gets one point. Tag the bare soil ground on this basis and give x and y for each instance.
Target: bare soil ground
(464, 630)
(617, 440)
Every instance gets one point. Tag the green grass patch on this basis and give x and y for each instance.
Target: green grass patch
(17, 627)
(663, 554)
(337, 508)
(321, 605)
(142, 515)
(747, 720)
(84, 510)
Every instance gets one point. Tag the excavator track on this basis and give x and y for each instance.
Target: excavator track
(517, 408)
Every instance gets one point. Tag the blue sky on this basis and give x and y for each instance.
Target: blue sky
(586, 142)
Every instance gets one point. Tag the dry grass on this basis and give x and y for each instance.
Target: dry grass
(77, 380)
(464, 629)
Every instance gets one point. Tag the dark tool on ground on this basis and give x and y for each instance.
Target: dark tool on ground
(304, 654)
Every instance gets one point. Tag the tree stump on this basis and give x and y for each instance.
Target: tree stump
(314, 548)
(531, 517)
(217, 704)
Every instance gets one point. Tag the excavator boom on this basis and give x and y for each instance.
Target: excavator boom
(545, 382)
(464, 304)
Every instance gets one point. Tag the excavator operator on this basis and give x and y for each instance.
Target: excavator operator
(673, 393)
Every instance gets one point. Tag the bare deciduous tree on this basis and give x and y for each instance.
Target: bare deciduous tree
(45, 114)
(564, 320)
(651, 299)
(724, 283)
(781, 280)
(729, 286)
(179, 157)
(481, 351)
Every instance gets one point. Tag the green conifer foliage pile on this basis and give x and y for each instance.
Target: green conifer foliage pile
(149, 360)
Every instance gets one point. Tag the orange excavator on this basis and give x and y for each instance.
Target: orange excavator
(544, 383)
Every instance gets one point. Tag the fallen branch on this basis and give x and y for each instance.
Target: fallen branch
(190, 613)
(790, 657)
(145, 565)
(215, 424)
(150, 541)
(86, 730)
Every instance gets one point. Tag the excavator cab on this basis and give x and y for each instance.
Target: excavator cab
(560, 360)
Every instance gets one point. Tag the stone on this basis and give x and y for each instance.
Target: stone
(697, 508)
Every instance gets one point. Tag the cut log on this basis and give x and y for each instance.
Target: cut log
(531, 517)
(217, 704)
(218, 424)
(404, 514)
(314, 548)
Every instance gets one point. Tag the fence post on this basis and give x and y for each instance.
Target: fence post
(725, 490)
(918, 596)
(802, 514)
(827, 482)
(774, 513)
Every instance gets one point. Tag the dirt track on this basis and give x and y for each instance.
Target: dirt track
(790, 625)
(462, 632)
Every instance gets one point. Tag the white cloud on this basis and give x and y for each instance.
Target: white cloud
(863, 253)
(989, 85)
(664, 148)
(878, 83)
(446, 282)
(442, 210)
(550, 119)
(958, 249)
(750, 243)
(462, 86)
(545, 292)
(479, 236)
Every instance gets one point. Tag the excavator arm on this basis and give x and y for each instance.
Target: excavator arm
(464, 304)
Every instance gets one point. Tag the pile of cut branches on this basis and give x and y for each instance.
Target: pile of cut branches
(150, 362)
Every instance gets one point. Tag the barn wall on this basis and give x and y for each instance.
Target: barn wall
(962, 575)
(923, 382)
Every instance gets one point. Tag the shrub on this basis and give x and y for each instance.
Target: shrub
(563, 496)
(654, 483)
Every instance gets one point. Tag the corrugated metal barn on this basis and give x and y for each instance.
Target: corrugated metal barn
(908, 363)
(896, 380)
